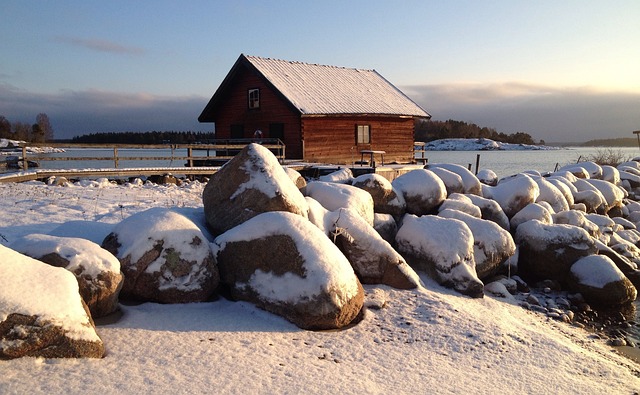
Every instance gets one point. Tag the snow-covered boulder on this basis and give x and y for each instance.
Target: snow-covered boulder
(334, 196)
(488, 177)
(600, 282)
(342, 176)
(513, 194)
(284, 264)
(164, 257)
(551, 194)
(492, 245)
(591, 169)
(41, 311)
(422, 191)
(612, 194)
(564, 187)
(372, 258)
(577, 218)
(296, 177)
(385, 199)
(611, 174)
(471, 183)
(443, 248)
(548, 251)
(529, 212)
(386, 226)
(96, 269)
(490, 210)
(592, 199)
(452, 181)
(460, 202)
(251, 183)
(317, 215)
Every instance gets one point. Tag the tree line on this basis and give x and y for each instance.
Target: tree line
(39, 132)
(153, 137)
(427, 130)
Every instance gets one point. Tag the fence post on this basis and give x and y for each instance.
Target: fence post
(115, 156)
(25, 162)
(190, 155)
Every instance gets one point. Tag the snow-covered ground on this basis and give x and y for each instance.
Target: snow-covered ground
(431, 340)
(480, 144)
(12, 147)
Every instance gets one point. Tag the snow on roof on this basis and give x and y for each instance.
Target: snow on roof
(318, 89)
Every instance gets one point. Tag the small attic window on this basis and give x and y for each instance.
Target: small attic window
(254, 98)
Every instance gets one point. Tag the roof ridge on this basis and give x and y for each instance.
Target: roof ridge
(307, 64)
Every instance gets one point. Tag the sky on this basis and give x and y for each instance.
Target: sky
(560, 71)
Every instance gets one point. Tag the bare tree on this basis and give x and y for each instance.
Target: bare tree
(21, 131)
(5, 128)
(42, 120)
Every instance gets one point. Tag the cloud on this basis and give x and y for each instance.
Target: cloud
(101, 45)
(560, 114)
(75, 113)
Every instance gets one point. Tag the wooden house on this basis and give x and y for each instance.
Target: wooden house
(322, 113)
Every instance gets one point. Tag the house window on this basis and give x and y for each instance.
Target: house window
(254, 98)
(363, 134)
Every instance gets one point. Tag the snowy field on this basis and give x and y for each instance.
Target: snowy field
(430, 340)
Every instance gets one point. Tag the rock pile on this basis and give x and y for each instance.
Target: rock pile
(302, 249)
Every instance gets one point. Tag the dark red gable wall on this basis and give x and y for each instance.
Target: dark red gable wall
(333, 140)
(273, 109)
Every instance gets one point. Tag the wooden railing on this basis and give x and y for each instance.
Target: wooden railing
(223, 151)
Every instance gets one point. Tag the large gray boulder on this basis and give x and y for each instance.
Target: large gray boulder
(492, 245)
(547, 251)
(41, 311)
(385, 199)
(443, 248)
(513, 194)
(97, 270)
(372, 258)
(284, 264)
(334, 196)
(490, 210)
(423, 191)
(600, 282)
(251, 183)
(165, 258)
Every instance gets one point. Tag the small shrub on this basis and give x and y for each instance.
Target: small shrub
(608, 156)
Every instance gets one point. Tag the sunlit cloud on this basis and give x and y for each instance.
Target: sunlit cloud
(101, 45)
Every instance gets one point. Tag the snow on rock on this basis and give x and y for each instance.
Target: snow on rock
(41, 313)
(598, 279)
(334, 196)
(513, 194)
(452, 181)
(492, 245)
(592, 169)
(88, 230)
(421, 189)
(342, 176)
(612, 194)
(372, 258)
(529, 212)
(296, 177)
(251, 183)
(317, 215)
(386, 200)
(611, 174)
(286, 265)
(386, 227)
(488, 177)
(547, 251)
(490, 210)
(564, 187)
(577, 218)
(471, 183)
(551, 194)
(461, 203)
(443, 248)
(479, 144)
(164, 256)
(97, 270)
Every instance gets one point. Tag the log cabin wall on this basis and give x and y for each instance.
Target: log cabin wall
(234, 110)
(332, 139)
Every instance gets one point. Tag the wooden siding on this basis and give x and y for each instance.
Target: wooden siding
(273, 109)
(333, 139)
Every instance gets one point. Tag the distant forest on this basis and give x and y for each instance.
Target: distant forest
(170, 137)
(433, 130)
(618, 142)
